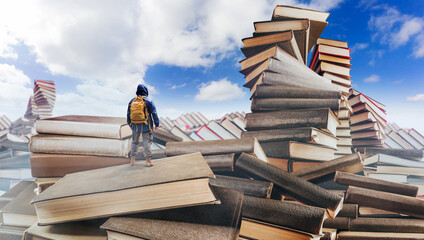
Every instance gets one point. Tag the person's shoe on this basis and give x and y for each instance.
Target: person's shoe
(149, 162)
(132, 162)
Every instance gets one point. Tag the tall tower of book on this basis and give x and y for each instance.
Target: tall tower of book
(41, 104)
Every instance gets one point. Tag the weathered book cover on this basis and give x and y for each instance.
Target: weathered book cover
(264, 91)
(221, 163)
(68, 199)
(387, 225)
(250, 187)
(220, 221)
(88, 126)
(61, 144)
(58, 165)
(351, 235)
(275, 104)
(296, 150)
(413, 154)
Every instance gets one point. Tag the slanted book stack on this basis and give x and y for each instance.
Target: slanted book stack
(44, 97)
(368, 122)
(32, 110)
(293, 108)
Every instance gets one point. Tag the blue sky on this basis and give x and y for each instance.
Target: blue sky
(187, 52)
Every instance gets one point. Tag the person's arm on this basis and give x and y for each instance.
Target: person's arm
(128, 113)
(152, 110)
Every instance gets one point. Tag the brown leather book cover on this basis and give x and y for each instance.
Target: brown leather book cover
(387, 225)
(250, 187)
(220, 222)
(58, 165)
(264, 91)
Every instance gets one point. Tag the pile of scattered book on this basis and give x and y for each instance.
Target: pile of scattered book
(368, 122)
(5, 123)
(41, 104)
(195, 127)
(397, 137)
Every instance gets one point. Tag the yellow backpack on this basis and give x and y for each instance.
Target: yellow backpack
(139, 112)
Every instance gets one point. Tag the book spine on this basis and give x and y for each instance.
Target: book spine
(386, 201)
(280, 149)
(349, 210)
(293, 186)
(291, 215)
(249, 187)
(413, 154)
(387, 225)
(80, 146)
(80, 129)
(294, 134)
(279, 79)
(264, 91)
(272, 104)
(339, 223)
(212, 147)
(329, 167)
(287, 119)
(375, 184)
(221, 163)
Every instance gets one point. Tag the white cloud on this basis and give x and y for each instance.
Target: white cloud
(372, 79)
(359, 46)
(408, 29)
(108, 46)
(15, 90)
(416, 98)
(219, 91)
(175, 86)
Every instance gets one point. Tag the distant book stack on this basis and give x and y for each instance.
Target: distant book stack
(292, 106)
(397, 137)
(368, 122)
(44, 97)
(23, 126)
(5, 123)
(32, 111)
(331, 59)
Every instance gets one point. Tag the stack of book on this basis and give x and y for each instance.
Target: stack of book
(331, 59)
(5, 123)
(292, 106)
(343, 132)
(44, 97)
(31, 112)
(368, 122)
(23, 126)
(397, 137)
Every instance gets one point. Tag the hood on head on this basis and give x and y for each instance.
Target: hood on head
(142, 90)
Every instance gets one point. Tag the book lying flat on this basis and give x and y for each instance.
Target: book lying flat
(265, 91)
(61, 144)
(217, 147)
(218, 221)
(128, 189)
(58, 165)
(322, 118)
(82, 230)
(379, 235)
(19, 212)
(88, 126)
(309, 135)
(273, 104)
(412, 154)
(250, 187)
(297, 150)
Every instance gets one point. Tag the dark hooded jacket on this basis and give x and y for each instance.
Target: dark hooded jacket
(151, 109)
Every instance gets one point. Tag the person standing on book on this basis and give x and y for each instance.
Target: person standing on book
(141, 115)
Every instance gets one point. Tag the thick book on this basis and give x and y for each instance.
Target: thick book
(81, 230)
(361, 98)
(339, 223)
(19, 212)
(220, 130)
(88, 126)
(412, 154)
(350, 163)
(231, 127)
(376, 184)
(353, 235)
(322, 118)
(221, 162)
(217, 147)
(205, 133)
(318, 57)
(219, 221)
(61, 144)
(331, 42)
(162, 137)
(128, 189)
(387, 225)
(411, 206)
(400, 170)
(58, 165)
(300, 29)
(306, 134)
(333, 68)
(297, 150)
(291, 185)
(349, 210)
(285, 214)
(392, 160)
(285, 40)
(404, 134)
(275, 104)
(264, 91)
(253, 229)
(333, 50)
(339, 80)
(317, 19)
(249, 187)
(399, 140)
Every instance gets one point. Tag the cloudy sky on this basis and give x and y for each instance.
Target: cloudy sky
(187, 52)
